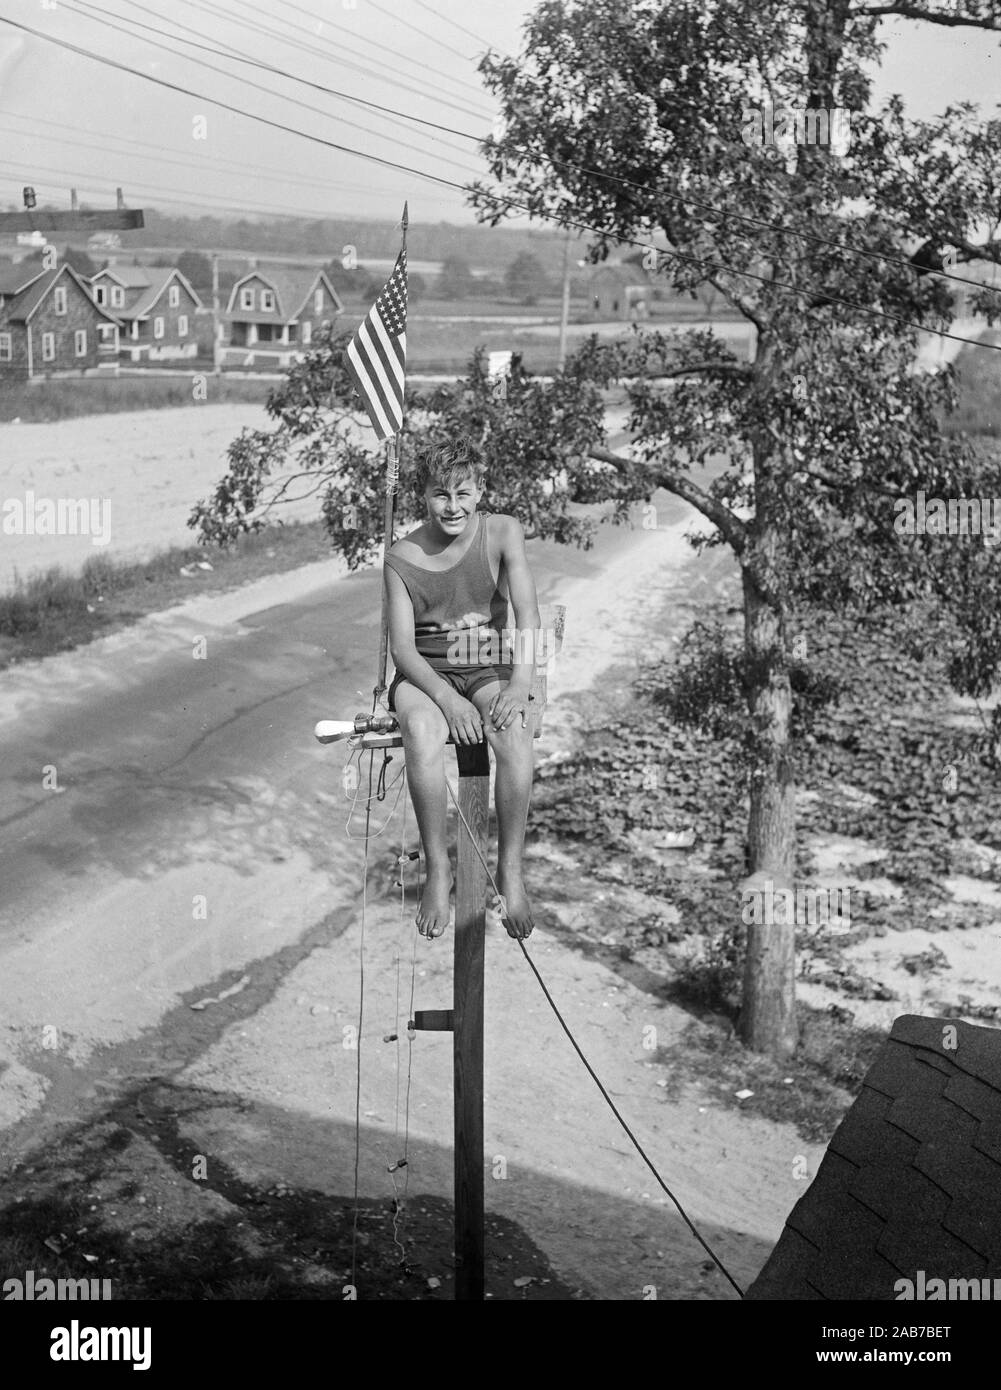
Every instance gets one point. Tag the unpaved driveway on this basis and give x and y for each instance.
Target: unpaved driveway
(197, 843)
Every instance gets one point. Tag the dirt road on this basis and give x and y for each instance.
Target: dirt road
(172, 834)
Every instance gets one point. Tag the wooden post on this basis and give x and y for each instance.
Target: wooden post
(467, 1038)
(216, 324)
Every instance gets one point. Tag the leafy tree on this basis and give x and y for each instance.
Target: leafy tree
(525, 279)
(196, 268)
(628, 117)
(80, 261)
(456, 280)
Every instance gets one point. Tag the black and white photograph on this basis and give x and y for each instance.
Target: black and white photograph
(500, 671)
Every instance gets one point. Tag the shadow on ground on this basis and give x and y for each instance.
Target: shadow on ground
(144, 1195)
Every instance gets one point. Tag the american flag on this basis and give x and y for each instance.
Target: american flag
(377, 354)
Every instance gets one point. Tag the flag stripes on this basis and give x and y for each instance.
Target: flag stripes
(377, 354)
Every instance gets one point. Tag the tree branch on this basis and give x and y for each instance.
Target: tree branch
(730, 525)
(916, 12)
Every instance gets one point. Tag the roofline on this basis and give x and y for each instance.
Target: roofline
(81, 282)
(261, 275)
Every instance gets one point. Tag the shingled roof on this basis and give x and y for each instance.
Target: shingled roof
(292, 289)
(911, 1180)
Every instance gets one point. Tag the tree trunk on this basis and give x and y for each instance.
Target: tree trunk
(768, 1013)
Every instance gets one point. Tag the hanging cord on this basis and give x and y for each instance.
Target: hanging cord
(379, 795)
(592, 1073)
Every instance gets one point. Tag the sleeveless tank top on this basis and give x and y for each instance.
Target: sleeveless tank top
(460, 613)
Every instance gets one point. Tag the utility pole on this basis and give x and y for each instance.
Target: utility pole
(216, 325)
(565, 308)
(467, 1012)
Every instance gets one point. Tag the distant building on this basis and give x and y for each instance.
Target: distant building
(620, 292)
(157, 308)
(272, 315)
(50, 325)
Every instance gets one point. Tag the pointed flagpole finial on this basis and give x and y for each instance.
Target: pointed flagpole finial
(406, 217)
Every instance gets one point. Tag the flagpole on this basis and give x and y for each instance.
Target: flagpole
(389, 520)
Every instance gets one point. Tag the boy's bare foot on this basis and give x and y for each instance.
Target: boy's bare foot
(515, 910)
(433, 913)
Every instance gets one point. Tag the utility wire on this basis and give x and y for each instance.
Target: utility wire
(456, 25)
(237, 56)
(590, 1070)
(268, 91)
(714, 212)
(398, 19)
(438, 73)
(310, 47)
(497, 198)
(211, 163)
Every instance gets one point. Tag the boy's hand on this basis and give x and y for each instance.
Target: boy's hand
(464, 722)
(510, 705)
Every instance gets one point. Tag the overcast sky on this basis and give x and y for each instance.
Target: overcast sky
(66, 120)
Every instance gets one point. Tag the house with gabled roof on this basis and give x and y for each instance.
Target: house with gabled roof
(50, 325)
(157, 307)
(620, 291)
(273, 314)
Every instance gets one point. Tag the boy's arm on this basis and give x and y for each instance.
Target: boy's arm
(525, 602)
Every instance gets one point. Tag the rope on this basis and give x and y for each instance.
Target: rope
(592, 1073)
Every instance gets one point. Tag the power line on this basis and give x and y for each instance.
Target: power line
(255, 170)
(237, 56)
(210, 8)
(477, 90)
(306, 106)
(212, 164)
(508, 202)
(185, 198)
(398, 19)
(685, 199)
(228, 106)
(456, 25)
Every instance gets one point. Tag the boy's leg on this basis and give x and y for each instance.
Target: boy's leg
(515, 758)
(425, 733)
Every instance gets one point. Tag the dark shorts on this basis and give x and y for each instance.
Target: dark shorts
(465, 679)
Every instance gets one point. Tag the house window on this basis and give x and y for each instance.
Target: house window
(247, 298)
(267, 301)
(80, 342)
(100, 294)
(174, 296)
(48, 347)
(307, 332)
(182, 326)
(158, 326)
(318, 302)
(293, 334)
(117, 297)
(60, 299)
(6, 347)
